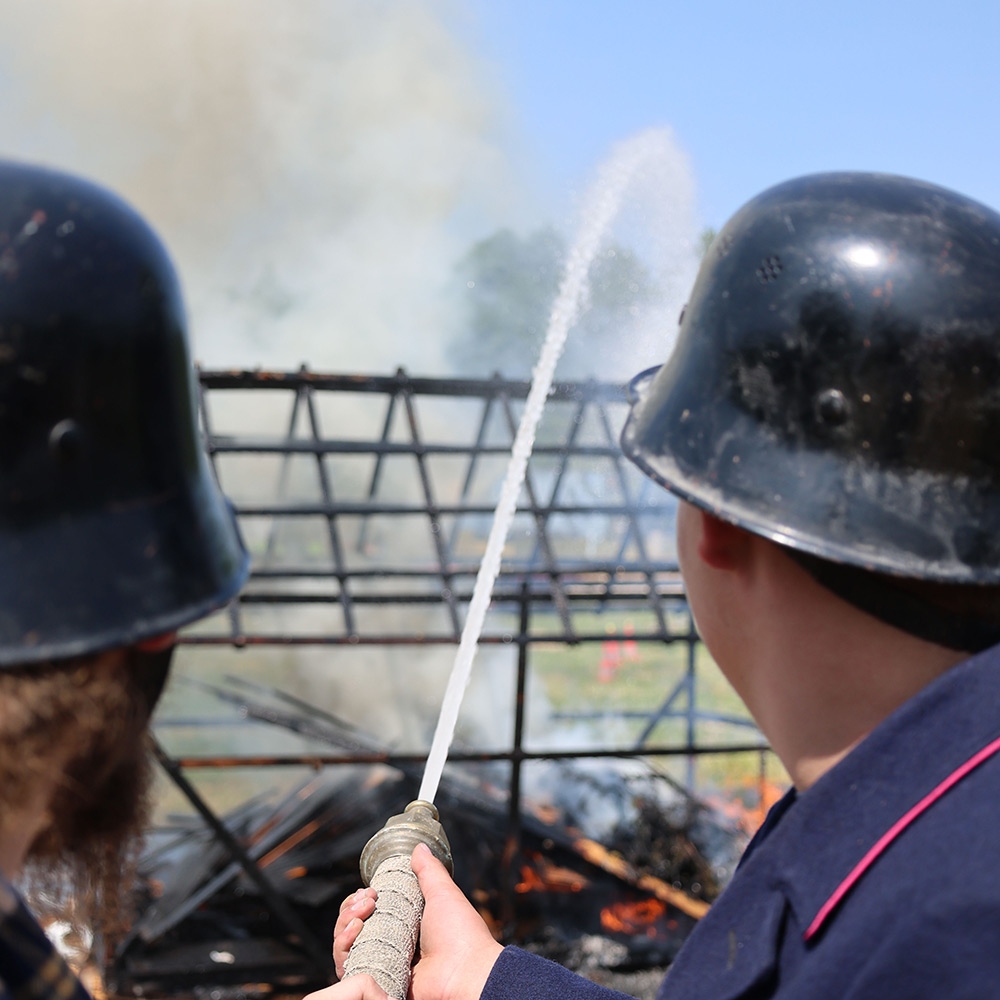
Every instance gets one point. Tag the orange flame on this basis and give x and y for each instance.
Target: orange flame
(733, 802)
(543, 876)
(633, 918)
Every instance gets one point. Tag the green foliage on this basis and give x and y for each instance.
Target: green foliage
(508, 284)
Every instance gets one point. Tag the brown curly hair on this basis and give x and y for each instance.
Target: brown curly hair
(81, 726)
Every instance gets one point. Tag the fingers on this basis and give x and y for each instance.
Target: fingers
(431, 874)
(358, 987)
(354, 903)
(353, 913)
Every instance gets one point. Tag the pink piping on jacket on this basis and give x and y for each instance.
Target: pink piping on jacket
(893, 832)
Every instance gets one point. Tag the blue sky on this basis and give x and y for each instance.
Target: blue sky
(755, 92)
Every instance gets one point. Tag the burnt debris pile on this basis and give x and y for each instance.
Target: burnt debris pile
(608, 892)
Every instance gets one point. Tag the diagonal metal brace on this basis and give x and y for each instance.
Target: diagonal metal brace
(319, 954)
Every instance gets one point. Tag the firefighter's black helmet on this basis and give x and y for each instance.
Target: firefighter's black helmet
(835, 385)
(112, 528)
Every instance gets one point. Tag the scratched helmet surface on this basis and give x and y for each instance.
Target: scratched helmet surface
(835, 384)
(112, 528)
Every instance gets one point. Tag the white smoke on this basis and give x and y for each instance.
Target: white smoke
(657, 222)
(315, 168)
(305, 161)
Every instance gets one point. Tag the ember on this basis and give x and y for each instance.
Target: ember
(539, 883)
(634, 918)
(543, 876)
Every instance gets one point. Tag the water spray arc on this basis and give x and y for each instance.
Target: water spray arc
(384, 948)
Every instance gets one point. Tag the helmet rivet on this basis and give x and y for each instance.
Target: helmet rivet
(66, 441)
(831, 407)
(769, 270)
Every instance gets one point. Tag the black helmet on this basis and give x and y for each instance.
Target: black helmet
(836, 380)
(112, 528)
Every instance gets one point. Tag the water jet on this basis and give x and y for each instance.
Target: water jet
(394, 937)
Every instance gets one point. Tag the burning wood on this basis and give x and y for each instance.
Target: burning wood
(203, 923)
(618, 866)
(541, 875)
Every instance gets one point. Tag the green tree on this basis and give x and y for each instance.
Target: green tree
(507, 284)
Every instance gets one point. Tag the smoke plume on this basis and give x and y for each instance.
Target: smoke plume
(306, 162)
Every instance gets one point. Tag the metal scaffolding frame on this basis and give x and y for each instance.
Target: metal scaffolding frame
(372, 515)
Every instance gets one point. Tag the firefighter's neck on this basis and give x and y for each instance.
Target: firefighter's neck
(831, 673)
(816, 673)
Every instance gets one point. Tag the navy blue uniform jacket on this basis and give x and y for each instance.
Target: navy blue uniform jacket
(882, 881)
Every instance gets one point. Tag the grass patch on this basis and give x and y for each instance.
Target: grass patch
(615, 687)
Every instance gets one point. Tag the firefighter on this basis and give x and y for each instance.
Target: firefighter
(113, 534)
(830, 422)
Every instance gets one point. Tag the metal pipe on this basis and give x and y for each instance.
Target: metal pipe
(406, 639)
(403, 760)
(512, 848)
(363, 509)
(389, 384)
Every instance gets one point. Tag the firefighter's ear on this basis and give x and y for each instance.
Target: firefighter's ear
(722, 545)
